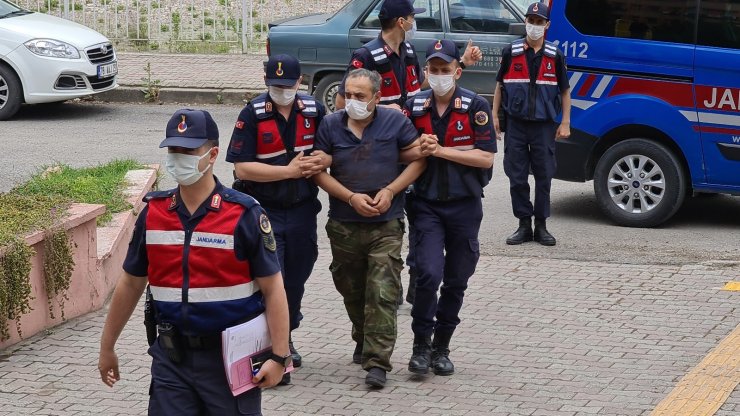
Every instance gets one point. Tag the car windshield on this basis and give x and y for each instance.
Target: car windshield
(522, 5)
(9, 9)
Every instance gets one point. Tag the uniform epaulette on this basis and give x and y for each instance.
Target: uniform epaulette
(158, 195)
(464, 99)
(517, 47)
(307, 105)
(551, 49)
(237, 197)
(262, 106)
(409, 50)
(422, 103)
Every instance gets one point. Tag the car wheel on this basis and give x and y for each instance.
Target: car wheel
(639, 183)
(10, 93)
(326, 90)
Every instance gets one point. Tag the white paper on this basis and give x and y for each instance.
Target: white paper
(245, 339)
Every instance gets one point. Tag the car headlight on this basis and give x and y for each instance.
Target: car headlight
(52, 48)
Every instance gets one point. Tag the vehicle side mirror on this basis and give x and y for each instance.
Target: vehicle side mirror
(517, 29)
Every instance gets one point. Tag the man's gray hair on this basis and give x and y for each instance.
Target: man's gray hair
(373, 76)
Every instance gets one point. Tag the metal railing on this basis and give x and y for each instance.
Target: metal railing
(220, 26)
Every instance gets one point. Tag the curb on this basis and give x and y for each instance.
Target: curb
(128, 94)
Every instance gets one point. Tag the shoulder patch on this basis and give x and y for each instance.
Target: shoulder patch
(261, 107)
(481, 118)
(307, 105)
(265, 225)
(357, 63)
(268, 240)
(158, 195)
(422, 102)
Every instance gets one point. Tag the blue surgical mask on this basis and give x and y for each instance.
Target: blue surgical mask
(411, 33)
(282, 96)
(184, 168)
(357, 110)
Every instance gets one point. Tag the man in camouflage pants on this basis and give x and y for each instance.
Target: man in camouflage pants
(365, 224)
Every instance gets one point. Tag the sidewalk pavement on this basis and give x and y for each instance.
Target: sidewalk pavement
(538, 337)
(197, 79)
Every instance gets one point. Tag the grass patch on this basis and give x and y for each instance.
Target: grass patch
(34, 204)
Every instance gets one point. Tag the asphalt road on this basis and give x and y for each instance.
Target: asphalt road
(707, 228)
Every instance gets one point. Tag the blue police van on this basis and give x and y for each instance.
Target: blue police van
(655, 88)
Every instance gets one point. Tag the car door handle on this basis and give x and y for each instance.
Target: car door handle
(461, 44)
(366, 39)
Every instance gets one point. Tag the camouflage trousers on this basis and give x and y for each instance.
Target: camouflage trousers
(366, 268)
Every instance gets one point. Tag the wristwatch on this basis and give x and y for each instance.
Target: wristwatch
(285, 361)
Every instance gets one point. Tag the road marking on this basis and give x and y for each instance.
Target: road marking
(707, 386)
(732, 286)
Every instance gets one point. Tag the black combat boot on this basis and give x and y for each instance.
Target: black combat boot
(297, 359)
(411, 294)
(523, 233)
(441, 364)
(541, 235)
(421, 357)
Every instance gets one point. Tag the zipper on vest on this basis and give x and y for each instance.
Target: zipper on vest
(185, 276)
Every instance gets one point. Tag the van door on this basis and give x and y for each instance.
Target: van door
(718, 90)
(428, 26)
(486, 22)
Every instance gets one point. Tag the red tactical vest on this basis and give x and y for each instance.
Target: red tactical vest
(197, 282)
(390, 87)
(518, 101)
(269, 140)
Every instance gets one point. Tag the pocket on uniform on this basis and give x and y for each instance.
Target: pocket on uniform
(517, 101)
(250, 402)
(474, 245)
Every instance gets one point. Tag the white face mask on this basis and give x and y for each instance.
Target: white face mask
(184, 168)
(357, 110)
(411, 33)
(282, 96)
(535, 32)
(442, 84)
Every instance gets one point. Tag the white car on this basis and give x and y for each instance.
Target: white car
(46, 59)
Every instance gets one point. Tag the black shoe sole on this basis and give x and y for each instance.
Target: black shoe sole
(374, 382)
(419, 370)
(297, 363)
(444, 373)
(517, 242)
(547, 243)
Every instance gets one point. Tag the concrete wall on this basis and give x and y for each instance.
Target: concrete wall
(98, 254)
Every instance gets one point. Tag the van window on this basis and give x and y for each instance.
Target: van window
(429, 20)
(719, 24)
(482, 16)
(661, 20)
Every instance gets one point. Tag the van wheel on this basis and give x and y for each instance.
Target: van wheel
(326, 90)
(639, 183)
(10, 93)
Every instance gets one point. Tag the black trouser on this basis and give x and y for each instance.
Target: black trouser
(530, 145)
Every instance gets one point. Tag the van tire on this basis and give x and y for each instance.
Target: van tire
(11, 92)
(639, 183)
(326, 90)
